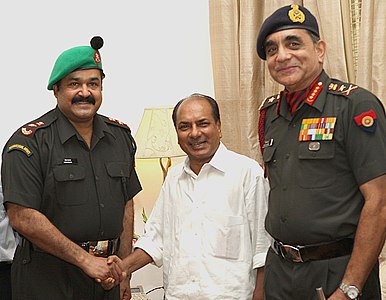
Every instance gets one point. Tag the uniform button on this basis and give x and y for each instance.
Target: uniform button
(287, 156)
(102, 233)
(24, 261)
(283, 219)
(96, 177)
(102, 205)
(284, 188)
(274, 161)
(71, 176)
(293, 125)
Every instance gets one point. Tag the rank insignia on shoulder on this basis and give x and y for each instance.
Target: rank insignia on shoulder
(367, 121)
(268, 101)
(345, 89)
(118, 122)
(30, 128)
(21, 148)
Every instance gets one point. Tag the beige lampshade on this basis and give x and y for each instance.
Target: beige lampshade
(156, 136)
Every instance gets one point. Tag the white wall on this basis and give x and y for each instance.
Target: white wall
(155, 53)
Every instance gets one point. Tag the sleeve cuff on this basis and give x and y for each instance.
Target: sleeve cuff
(151, 249)
(259, 260)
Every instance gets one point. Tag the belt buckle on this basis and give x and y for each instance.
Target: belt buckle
(291, 253)
(99, 248)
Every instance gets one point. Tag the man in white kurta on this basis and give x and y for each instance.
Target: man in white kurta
(207, 226)
(207, 230)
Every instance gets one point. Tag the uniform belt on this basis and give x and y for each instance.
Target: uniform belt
(299, 254)
(101, 248)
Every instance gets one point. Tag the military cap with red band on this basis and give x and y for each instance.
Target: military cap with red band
(287, 17)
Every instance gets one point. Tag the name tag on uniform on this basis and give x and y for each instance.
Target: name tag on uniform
(317, 129)
(70, 161)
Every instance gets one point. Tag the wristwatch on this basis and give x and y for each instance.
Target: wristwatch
(351, 291)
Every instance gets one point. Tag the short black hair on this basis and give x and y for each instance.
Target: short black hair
(212, 102)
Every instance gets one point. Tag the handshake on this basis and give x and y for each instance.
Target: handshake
(109, 271)
(114, 274)
(113, 270)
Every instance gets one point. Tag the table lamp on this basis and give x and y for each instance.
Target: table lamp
(156, 137)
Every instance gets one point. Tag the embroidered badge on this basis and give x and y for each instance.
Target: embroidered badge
(21, 148)
(296, 15)
(367, 121)
(317, 129)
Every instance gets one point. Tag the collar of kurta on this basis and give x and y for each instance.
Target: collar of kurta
(216, 162)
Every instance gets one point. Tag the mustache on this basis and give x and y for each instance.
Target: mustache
(77, 99)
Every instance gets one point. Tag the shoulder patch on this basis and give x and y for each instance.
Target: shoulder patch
(116, 122)
(21, 148)
(269, 101)
(342, 88)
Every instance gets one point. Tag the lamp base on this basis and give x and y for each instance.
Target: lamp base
(165, 168)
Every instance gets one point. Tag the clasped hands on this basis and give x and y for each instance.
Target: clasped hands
(111, 273)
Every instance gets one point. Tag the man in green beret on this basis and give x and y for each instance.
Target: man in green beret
(68, 179)
(324, 149)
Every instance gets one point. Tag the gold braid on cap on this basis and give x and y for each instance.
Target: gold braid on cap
(296, 15)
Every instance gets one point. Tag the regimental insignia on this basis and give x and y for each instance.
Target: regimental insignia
(317, 129)
(296, 15)
(97, 58)
(367, 121)
(30, 128)
(21, 148)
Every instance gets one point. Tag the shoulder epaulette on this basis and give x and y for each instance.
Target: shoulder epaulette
(115, 122)
(269, 101)
(42, 122)
(341, 88)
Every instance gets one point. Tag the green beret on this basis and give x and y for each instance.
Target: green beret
(287, 17)
(82, 57)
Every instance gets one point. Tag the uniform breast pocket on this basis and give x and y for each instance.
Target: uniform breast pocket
(316, 168)
(119, 173)
(70, 184)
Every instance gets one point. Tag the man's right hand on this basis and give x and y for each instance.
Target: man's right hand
(115, 275)
(99, 269)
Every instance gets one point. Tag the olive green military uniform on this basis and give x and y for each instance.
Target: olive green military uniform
(316, 160)
(83, 191)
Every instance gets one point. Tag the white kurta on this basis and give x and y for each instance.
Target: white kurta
(207, 230)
